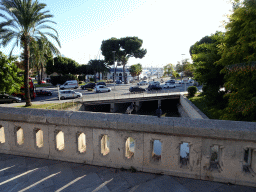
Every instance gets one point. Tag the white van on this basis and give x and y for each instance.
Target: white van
(69, 84)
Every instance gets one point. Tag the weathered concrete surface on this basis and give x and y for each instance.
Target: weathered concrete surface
(232, 138)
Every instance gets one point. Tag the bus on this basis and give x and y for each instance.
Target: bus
(32, 88)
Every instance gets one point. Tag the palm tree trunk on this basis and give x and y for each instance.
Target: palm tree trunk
(38, 76)
(42, 71)
(26, 74)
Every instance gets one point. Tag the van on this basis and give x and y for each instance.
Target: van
(69, 84)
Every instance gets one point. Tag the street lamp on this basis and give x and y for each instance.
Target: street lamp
(114, 70)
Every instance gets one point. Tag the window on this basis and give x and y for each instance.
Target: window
(39, 138)
(2, 135)
(81, 142)
(157, 150)
(60, 141)
(20, 136)
(105, 145)
(129, 148)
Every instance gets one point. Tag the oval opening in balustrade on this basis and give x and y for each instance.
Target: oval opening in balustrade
(157, 150)
(20, 136)
(60, 141)
(129, 147)
(2, 135)
(39, 138)
(184, 154)
(81, 143)
(105, 145)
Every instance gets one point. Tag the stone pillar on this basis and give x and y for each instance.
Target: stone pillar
(159, 103)
(112, 108)
(137, 106)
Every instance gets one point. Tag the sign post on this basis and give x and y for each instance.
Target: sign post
(185, 80)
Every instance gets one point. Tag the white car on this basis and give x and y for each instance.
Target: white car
(154, 83)
(102, 88)
(168, 85)
(142, 83)
(69, 94)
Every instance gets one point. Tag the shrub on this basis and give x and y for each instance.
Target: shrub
(204, 88)
(90, 89)
(80, 82)
(192, 91)
(92, 79)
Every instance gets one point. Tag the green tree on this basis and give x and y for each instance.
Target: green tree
(205, 55)
(98, 66)
(24, 20)
(10, 81)
(135, 70)
(238, 59)
(62, 65)
(168, 69)
(124, 49)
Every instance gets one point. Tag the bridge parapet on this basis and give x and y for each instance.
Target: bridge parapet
(217, 150)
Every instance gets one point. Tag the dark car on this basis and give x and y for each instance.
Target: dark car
(101, 83)
(118, 82)
(43, 92)
(4, 98)
(88, 86)
(154, 87)
(136, 89)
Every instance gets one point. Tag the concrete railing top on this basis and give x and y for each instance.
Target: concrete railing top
(222, 129)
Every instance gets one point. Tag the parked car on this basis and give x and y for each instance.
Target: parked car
(43, 92)
(142, 83)
(4, 98)
(42, 81)
(136, 89)
(119, 82)
(169, 85)
(69, 94)
(88, 86)
(102, 88)
(101, 83)
(154, 87)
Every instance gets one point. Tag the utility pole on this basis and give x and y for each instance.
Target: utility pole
(114, 71)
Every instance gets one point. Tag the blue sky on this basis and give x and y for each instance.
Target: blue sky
(168, 28)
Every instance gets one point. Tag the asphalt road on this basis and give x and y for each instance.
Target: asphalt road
(116, 91)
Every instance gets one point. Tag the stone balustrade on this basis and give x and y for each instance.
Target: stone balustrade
(223, 151)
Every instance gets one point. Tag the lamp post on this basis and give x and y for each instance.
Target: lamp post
(114, 71)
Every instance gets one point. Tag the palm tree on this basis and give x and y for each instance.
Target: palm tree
(40, 53)
(24, 21)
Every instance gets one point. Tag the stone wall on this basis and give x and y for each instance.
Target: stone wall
(58, 135)
(190, 109)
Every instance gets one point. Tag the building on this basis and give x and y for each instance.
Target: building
(119, 74)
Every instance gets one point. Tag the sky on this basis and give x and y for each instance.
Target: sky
(168, 28)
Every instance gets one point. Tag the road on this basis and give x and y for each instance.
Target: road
(119, 91)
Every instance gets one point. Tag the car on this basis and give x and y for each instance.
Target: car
(43, 82)
(69, 94)
(154, 83)
(154, 87)
(43, 92)
(170, 81)
(136, 89)
(142, 83)
(101, 83)
(4, 98)
(168, 85)
(119, 82)
(88, 86)
(102, 88)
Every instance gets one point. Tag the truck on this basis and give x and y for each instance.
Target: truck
(32, 88)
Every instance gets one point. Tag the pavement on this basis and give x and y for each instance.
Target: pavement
(19, 173)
